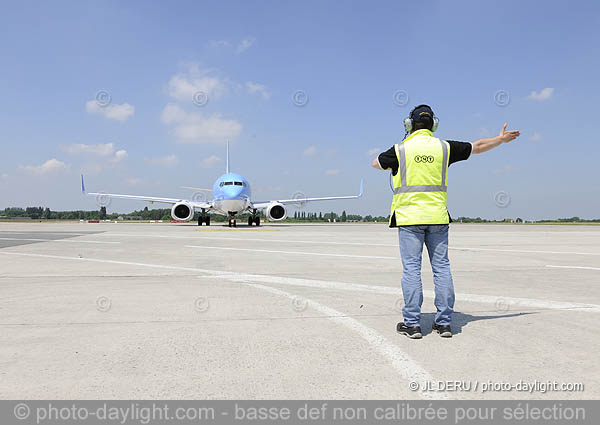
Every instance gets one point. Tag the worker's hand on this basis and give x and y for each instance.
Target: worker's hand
(508, 136)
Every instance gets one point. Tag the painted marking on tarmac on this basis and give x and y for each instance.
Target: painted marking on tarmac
(56, 240)
(195, 237)
(325, 242)
(298, 241)
(573, 267)
(523, 251)
(291, 252)
(499, 301)
(406, 367)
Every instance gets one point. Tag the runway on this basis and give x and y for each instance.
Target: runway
(165, 311)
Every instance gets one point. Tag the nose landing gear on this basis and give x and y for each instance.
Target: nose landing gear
(232, 222)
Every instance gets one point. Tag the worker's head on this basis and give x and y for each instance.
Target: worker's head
(421, 117)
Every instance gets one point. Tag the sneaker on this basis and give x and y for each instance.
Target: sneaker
(413, 332)
(443, 330)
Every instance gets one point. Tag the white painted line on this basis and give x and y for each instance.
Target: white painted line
(406, 367)
(573, 267)
(43, 232)
(291, 252)
(56, 240)
(342, 286)
(325, 242)
(523, 251)
(218, 238)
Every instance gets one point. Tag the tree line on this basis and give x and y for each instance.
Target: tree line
(41, 213)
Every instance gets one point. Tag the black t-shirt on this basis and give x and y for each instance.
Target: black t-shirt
(459, 151)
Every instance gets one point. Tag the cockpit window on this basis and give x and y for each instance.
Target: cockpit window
(239, 183)
(228, 183)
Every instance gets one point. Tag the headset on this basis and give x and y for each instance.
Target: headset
(409, 121)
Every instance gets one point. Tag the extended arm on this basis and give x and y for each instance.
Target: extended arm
(484, 145)
(375, 163)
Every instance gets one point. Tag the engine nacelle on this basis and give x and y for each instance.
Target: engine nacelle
(182, 211)
(276, 212)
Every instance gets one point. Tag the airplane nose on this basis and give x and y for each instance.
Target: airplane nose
(232, 192)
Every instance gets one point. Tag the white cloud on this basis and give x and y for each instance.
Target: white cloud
(258, 88)
(245, 44)
(332, 172)
(310, 151)
(3, 176)
(507, 169)
(112, 111)
(164, 161)
(50, 166)
(186, 86)
(210, 161)
(120, 155)
(542, 95)
(194, 127)
(373, 151)
(535, 137)
(101, 149)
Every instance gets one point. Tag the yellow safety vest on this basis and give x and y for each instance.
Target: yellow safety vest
(420, 185)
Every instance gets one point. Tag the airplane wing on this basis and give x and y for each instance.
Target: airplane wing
(151, 199)
(265, 204)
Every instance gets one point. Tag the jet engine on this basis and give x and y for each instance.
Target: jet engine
(182, 211)
(276, 212)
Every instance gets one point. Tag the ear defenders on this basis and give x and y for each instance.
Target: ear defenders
(410, 120)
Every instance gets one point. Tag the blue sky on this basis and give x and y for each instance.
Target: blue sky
(249, 58)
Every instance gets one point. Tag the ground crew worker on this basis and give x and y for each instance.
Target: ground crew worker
(419, 166)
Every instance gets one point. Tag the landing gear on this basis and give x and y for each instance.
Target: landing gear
(204, 218)
(232, 222)
(254, 219)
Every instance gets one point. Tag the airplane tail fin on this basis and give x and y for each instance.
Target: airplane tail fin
(82, 185)
(227, 160)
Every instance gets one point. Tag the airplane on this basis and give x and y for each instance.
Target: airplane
(231, 196)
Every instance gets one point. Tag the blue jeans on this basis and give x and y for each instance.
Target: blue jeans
(435, 237)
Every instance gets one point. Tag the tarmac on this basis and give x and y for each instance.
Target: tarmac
(292, 311)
